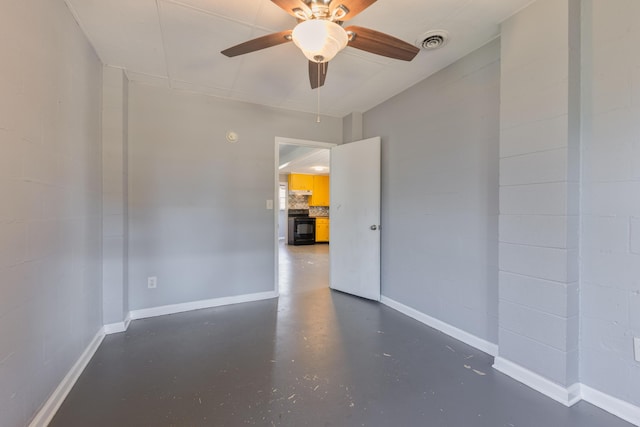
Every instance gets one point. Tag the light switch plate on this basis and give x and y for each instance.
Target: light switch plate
(636, 348)
(269, 204)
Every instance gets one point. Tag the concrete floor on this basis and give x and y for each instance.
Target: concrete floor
(312, 358)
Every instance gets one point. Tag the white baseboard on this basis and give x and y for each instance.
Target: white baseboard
(51, 406)
(116, 328)
(615, 406)
(571, 395)
(197, 305)
(467, 338)
(568, 396)
(145, 313)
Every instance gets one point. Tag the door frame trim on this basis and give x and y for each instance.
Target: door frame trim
(293, 141)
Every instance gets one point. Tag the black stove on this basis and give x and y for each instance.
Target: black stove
(302, 228)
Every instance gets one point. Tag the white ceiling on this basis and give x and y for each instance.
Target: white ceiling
(177, 44)
(301, 159)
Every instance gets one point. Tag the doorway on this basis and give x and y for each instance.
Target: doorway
(307, 158)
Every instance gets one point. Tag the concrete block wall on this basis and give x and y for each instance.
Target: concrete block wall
(539, 204)
(610, 274)
(115, 221)
(50, 202)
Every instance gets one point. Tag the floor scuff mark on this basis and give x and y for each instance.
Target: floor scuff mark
(482, 374)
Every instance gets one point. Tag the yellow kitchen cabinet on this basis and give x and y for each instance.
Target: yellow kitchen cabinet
(322, 229)
(298, 181)
(320, 196)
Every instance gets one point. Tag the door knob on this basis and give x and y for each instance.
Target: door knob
(374, 227)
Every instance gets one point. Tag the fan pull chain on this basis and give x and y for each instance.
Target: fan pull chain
(318, 118)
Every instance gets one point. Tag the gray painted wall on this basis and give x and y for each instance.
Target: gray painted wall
(610, 241)
(50, 202)
(197, 213)
(352, 127)
(115, 292)
(440, 193)
(539, 171)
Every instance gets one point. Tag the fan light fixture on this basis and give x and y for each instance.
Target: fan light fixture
(319, 40)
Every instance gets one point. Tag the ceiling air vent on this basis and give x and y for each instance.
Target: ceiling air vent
(432, 40)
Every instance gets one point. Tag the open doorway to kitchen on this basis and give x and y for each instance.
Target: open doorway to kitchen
(303, 215)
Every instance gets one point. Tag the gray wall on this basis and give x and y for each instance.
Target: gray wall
(197, 211)
(539, 172)
(115, 242)
(440, 193)
(352, 127)
(50, 202)
(610, 244)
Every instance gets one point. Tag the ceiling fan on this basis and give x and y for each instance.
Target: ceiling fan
(320, 36)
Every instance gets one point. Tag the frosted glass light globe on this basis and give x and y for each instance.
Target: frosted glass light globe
(319, 40)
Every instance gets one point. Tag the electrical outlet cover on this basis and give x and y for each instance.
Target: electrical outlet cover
(152, 282)
(636, 348)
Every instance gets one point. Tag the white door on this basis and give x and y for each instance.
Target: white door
(355, 218)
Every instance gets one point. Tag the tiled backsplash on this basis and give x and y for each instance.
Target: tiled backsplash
(319, 211)
(297, 201)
